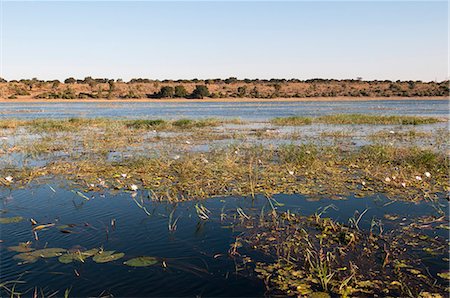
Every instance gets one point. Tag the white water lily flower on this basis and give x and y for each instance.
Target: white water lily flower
(391, 132)
(205, 160)
(393, 177)
(91, 185)
(387, 179)
(133, 187)
(403, 184)
(123, 175)
(176, 157)
(363, 183)
(428, 174)
(291, 173)
(9, 178)
(418, 178)
(188, 142)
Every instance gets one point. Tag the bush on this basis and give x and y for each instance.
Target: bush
(70, 81)
(180, 91)
(200, 91)
(242, 91)
(164, 92)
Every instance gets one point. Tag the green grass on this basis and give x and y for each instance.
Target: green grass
(292, 121)
(146, 124)
(354, 119)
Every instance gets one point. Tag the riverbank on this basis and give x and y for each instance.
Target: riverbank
(230, 99)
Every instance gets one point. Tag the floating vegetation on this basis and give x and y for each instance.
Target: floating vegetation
(22, 247)
(312, 254)
(141, 261)
(33, 256)
(8, 220)
(107, 256)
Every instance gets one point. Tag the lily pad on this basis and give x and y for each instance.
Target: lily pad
(22, 247)
(104, 258)
(26, 257)
(90, 252)
(103, 253)
(66, 258)
(141, 262)
(48, 252)
(7, 220)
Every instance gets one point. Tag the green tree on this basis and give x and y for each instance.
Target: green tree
(200, 91)
(242, 91)
(180, 91)
(165, 92)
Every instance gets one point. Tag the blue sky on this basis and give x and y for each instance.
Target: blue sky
(172, 40)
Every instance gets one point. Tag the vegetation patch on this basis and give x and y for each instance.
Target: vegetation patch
(355, 119)
(314, 254)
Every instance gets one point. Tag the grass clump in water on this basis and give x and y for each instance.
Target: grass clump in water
(188, 123)
(145, 124)
(355, 119)
(292, 121)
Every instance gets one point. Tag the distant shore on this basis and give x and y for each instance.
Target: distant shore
(231, 99)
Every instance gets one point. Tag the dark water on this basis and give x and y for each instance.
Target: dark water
(247, 111)
(195, 254)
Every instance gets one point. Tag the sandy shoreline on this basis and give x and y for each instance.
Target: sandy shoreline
(237, 100)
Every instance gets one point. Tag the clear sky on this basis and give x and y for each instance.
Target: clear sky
(185, 40)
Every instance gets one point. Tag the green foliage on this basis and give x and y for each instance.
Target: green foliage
(180, 91)
(139, 124)
(70, 81)
(200, 91)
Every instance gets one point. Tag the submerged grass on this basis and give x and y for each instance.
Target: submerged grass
(315, 255)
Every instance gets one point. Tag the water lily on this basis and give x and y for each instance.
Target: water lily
(363, 183)
(291, 173)
(9, 178)
(387, 179)
(418, 178)
(391, 132)
(176, 157)
(133, 187)
(204, 160)
(403, 184)
(428, 174)
(124, 175)
(188, 142)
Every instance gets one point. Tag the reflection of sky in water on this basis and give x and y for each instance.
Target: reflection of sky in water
(250, 111)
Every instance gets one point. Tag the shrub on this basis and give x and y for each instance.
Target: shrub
(166, 91)
(200, 91)
(242, 91)
(180, 91)
(70, 81)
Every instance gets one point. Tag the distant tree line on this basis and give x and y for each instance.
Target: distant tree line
(90, 87)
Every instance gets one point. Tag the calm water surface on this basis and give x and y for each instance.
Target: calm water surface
(248, 111)
(196, 253)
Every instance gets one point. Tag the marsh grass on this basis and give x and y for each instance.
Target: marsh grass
(355, 119)
(252, 170)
